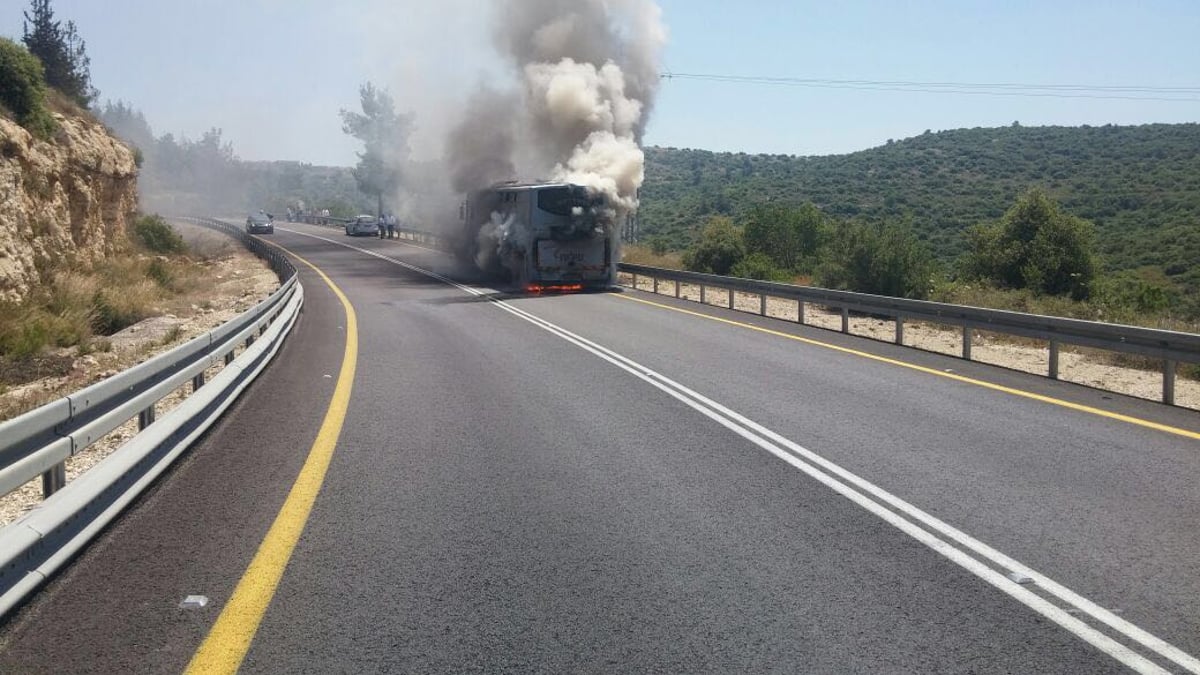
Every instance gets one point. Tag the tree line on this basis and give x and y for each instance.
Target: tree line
(52, 57)
(1138, 187)
(1035, 251)
(205, 175)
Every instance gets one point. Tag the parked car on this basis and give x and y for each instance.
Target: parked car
(260, 222)
(362, 225)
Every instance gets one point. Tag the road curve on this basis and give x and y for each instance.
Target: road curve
(603, 483)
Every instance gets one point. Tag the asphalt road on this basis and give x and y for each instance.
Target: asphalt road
(592, 483)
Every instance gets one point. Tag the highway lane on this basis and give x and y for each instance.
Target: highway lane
(501, 499)
(1103, 506)
(115, 609)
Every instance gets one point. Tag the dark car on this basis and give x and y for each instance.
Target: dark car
(260, 222)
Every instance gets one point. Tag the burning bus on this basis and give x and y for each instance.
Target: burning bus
(541, 236)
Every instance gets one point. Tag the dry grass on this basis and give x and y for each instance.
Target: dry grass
(636, 254)
(58, 102)
(978, 295)
(77, 308)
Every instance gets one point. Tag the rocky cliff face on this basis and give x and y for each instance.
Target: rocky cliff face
(63, 203)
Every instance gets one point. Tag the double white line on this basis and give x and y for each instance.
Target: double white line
(985, 562)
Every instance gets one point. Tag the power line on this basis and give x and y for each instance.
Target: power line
(1122, 92)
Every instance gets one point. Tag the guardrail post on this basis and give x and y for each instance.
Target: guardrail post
(54, 479)
(1169, 381)
(229, 358)
(1169, 347)
(635, 281)
(1053, 359)
(197, 381)
(146, 417)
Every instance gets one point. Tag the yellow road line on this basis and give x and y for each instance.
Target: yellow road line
(229, 640)
(951, 376)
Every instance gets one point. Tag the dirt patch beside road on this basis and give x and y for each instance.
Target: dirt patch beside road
(236, 281)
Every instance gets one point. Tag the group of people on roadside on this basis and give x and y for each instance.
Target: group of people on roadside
(387, 226)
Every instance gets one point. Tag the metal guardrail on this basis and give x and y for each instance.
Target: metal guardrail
(1171, 347)
(406, 233)
(320, 220)
(40, 441)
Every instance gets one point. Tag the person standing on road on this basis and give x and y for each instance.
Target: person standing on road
(380, 226)
(391, 226)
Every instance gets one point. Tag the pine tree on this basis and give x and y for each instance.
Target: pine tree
(384, 134)
(62, 52)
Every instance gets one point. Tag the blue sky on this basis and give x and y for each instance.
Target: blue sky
(272, 74)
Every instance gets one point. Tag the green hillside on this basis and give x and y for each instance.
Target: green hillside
(1139, 185)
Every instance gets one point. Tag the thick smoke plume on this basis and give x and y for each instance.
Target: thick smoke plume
(587, 72)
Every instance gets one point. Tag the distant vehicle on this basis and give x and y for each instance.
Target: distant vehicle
(362, 225)
(541, 236)
(260, 222)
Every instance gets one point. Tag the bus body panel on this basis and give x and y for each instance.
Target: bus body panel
(540, 235)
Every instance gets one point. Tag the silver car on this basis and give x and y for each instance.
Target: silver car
(362, 225)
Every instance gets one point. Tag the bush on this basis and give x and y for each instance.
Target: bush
(719, 249)
(33, 328)
(23, 89)
(759, 266)
(116, 311)
(161, 274)
(785, 234)
(659, 246)
(157, 235)
(24, 336)
(881, 259)
(1034, 246)
(125, 295)
(1125, 296)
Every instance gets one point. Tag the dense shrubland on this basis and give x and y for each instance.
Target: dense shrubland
(1105, 218)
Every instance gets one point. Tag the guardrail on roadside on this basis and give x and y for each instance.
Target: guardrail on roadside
(406, 233)
(1170, 347)
(40, 441)
(320, 220)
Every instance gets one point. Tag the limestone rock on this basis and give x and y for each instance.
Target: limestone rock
(63, 202)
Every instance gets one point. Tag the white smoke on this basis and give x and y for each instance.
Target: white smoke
(587, 73)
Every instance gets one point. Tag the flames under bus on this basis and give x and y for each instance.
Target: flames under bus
(541, 236)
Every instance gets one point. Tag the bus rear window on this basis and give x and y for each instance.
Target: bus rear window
(560, 200)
